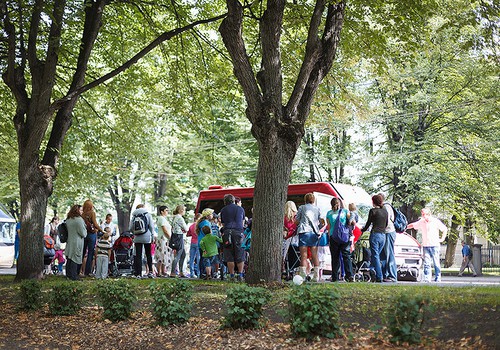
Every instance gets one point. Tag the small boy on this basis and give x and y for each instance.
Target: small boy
(354, 218)
(208, 246)
(103, 252)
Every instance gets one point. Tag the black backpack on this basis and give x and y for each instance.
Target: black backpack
(62, 229)
(140, 224)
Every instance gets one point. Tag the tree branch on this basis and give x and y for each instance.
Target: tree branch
(329, 43)
(231, 31)
(163, 37)
(310, 59)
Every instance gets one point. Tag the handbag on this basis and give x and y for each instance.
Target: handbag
(175, 242)
(227, 240)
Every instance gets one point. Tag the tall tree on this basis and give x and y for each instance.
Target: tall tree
(33, 44)
(277, 126)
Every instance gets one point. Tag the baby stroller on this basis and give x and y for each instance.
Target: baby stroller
(361, 262)
(292, 259)
(121, 261)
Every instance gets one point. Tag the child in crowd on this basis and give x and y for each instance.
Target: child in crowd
(354, 218)
(208, 246)
(103, 251)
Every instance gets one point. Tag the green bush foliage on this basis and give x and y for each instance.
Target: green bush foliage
(244, 306)
(30, 295)
(171, 302)
(405, 317)
(117, 298)
(65, 298)
(313, 312)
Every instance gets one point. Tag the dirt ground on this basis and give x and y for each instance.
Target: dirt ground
(88, 330)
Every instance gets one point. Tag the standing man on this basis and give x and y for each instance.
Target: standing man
(387, 258)
(143, 236)
(466, 260)
(232, 217)
(431, 241)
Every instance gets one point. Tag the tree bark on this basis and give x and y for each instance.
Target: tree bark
(451, 246)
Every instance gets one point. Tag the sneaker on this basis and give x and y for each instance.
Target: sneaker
(474, 275)
(150, 275)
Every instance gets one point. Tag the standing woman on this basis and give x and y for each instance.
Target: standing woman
(74, 246)
(93, 227)
(308, 225)
(337, 249)
(289, 227)
(378, 217)
(194, 250)
(179, 227)
(164, 234)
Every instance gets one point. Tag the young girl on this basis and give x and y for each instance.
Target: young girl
(353, 220)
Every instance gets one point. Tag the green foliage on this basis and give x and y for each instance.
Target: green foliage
(171, 302)
(313, 311)
(244, 306)
(117, 298)
(30, 295)
(405, 317)
(65, 298)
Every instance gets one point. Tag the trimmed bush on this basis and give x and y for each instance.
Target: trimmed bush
(171, 302)
(117, 298)
(65, 298)
(405, 317)
(30, 295)
(244, 306)
(313, 312)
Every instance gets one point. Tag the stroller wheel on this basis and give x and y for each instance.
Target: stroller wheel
(366, 277)
(358, 277)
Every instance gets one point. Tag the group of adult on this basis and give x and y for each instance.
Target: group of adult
(83, 230)
(315, 233)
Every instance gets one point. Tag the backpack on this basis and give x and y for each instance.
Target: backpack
(62, 229)
(48, 242)
(400, 221)
(140, 224)
(340, 231)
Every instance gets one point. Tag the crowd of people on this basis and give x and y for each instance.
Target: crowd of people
(315, 234)
(219, 243)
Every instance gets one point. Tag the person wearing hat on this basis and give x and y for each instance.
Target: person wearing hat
(204, 220)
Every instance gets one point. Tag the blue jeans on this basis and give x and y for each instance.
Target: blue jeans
(387, 258)
(194, 258)
(431, 254)
(377, 242)
(89, 245)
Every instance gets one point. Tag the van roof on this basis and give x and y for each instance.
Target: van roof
(218, 192)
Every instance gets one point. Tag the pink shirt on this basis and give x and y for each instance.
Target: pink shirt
(192, 233)
(290, 227)
(430, 231)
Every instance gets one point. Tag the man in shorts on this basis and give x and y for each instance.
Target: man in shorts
(232, 217)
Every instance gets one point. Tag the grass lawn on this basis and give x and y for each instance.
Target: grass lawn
(462, 317)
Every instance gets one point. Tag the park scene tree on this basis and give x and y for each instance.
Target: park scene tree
(159, 100)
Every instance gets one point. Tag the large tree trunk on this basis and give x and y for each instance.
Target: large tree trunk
(122, 200)
(271, 183)
(35, 186)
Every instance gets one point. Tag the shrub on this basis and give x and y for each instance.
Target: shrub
(171, 302)
(30, 295)
(313, 311)
(117, 298)
(65, 298)
(244, 306)
(405, 318)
